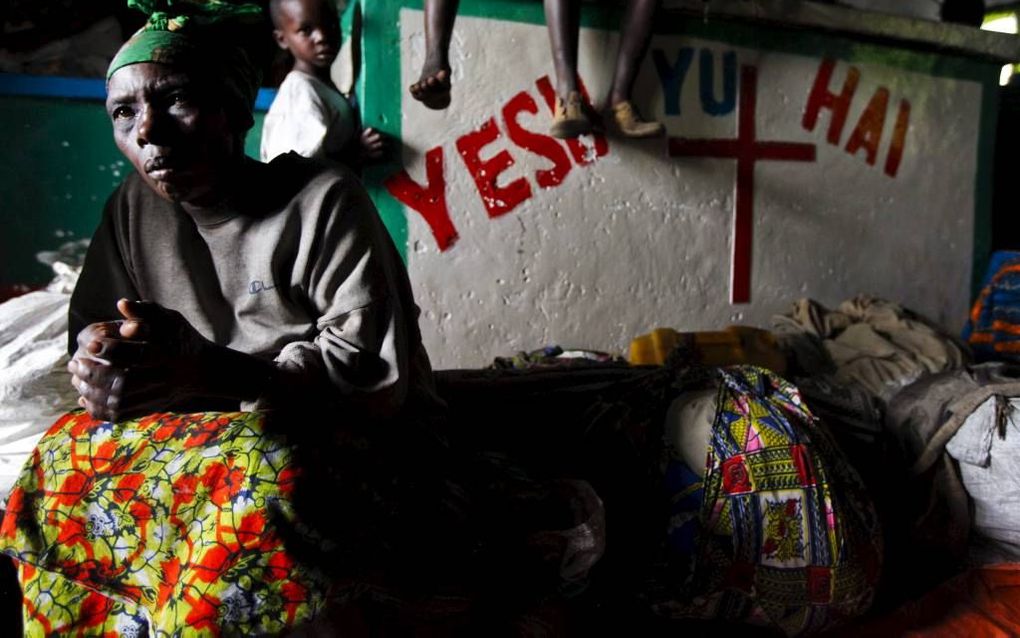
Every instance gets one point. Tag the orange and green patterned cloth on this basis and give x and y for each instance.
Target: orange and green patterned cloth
(167, 525)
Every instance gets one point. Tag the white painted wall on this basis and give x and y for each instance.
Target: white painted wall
(639, 239)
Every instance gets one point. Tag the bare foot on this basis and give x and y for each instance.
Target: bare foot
(432, 89)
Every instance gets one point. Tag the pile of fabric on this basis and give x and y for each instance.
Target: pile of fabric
(946, 439)
(849, 362)
(870, 343)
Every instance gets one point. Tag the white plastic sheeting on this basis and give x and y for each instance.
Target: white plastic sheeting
(34, 383)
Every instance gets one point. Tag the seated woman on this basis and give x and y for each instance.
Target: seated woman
(271, 286)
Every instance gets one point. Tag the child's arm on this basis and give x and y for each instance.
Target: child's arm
(372, 144)
(365, 148)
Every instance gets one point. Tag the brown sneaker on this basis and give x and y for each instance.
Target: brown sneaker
(569, 117)
(631, 124)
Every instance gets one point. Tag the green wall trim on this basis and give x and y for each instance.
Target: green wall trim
(378, 88)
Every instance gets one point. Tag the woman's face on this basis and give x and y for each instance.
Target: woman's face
(172, 130)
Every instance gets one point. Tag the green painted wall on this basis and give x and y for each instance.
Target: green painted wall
(59, 166)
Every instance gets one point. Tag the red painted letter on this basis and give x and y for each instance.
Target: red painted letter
(430, 201)
(821, 97)
(899, 138)
(542, 145)
(868, 132)
(498, 200)
(581, 153)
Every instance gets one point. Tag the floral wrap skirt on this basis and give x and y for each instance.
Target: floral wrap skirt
(166, 525)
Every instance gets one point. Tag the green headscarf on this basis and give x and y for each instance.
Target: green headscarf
(200, 34)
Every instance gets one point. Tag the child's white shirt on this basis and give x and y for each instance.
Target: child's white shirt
(307, 116)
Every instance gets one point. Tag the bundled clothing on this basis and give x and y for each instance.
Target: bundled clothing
(788, 536)
(870, 342)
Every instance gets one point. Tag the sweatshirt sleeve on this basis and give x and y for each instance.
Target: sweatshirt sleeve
(357, 285)
(105, 276)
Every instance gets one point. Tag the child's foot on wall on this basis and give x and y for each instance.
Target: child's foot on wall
(433, 88)
(570, 118)
(630, 123)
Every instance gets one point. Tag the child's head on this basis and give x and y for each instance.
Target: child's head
(309, 29)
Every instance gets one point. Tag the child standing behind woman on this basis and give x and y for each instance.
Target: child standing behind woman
(309, 115)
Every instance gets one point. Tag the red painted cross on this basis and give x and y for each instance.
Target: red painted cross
(746, 150)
